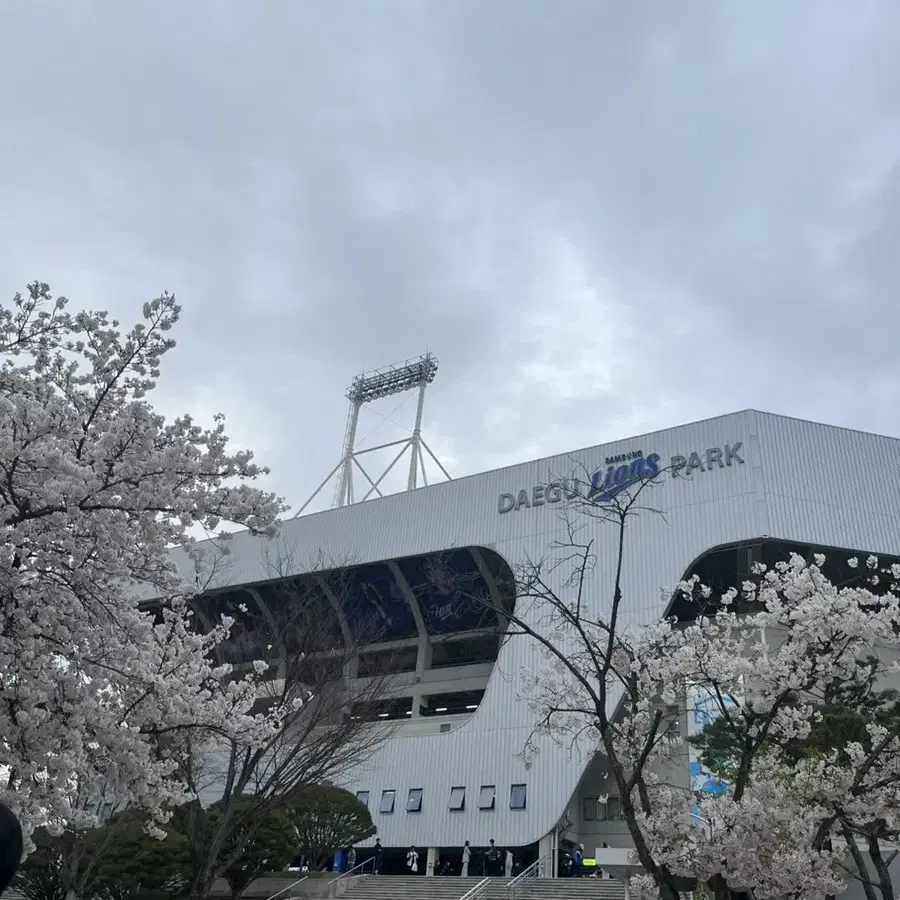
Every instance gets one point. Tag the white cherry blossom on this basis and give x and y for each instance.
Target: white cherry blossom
(95, 488)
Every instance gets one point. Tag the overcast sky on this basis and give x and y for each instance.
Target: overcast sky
(603, 217)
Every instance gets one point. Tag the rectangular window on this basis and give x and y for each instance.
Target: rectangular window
(457, 799)
(414, 800)
(363, 797)
(517, 796)
(589, 809)
(487, 796)
(387, 801)
(612, 809)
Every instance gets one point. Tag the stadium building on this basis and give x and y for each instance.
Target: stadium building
(734, 490)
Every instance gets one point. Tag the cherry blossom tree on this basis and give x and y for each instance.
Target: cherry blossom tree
(96, 487)
(795, 684)
(768, 653)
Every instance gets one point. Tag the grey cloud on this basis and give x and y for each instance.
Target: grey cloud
(602, 217)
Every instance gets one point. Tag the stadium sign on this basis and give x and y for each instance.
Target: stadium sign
(620, 472)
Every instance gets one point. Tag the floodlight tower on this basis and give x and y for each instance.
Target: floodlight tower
(414, 374)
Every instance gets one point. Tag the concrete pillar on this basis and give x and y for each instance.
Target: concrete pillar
(431, 860)
(546, 851)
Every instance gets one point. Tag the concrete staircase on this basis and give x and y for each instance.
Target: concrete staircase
(572, 889)
(411, 887)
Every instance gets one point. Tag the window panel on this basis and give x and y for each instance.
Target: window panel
(517, 796)
(414, 800)
(363, 797)
(387, 801)
(589, 809)
(612, 809)
(457, 798)
(487, 796)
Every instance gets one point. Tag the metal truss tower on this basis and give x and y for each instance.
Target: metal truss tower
(414, 374)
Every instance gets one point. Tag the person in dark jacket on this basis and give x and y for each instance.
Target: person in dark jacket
(379, 853)
(493, 860)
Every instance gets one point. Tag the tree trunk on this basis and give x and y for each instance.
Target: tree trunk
(860, 863)
(203, 881)
(881, 868)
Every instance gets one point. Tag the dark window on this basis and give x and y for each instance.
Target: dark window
(517, 796)
(465, 651)
(612, 809)
(375, 710)
(387, 662)
(451, 704)
(457, 798)
(589, 809)
(487, 797)
(414, 800)
(387, 801)
(363, 797)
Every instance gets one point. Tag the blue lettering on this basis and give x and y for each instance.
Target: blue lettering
(619, 472)
(637, 467)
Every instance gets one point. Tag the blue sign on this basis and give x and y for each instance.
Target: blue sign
(621, 472)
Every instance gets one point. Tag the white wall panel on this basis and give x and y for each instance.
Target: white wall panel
(790, 486)
(831, 485)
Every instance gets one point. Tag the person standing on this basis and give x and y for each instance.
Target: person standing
(466, 856)
(578, 862)
(509, 863)
(351, 859)
(412, 860)
(493, 860)
(379, 853)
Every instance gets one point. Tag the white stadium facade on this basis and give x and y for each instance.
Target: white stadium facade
(734, 489)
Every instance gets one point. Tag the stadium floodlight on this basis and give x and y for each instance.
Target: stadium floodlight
(413, 374)
(393, 379)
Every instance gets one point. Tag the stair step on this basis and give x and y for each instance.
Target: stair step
(413, 887)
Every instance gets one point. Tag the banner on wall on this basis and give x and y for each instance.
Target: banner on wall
(703, 707)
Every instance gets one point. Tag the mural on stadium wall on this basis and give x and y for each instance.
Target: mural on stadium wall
(702, 709)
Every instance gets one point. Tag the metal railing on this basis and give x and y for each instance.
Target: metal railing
(334, 891)
(292, 885)
(536, 870)
(478, 891)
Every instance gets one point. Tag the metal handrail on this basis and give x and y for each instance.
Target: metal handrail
(535, 870)
(294, 884)
(477, 891)
(360, 870)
